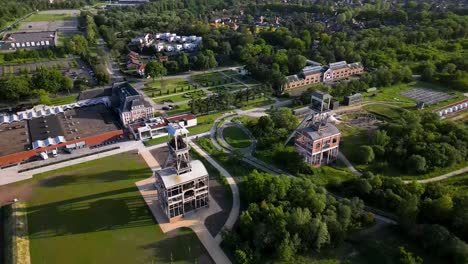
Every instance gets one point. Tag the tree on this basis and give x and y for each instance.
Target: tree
(417, 163)
(341, 18)
(296, 63)
(307, 38)
(67, 84)
(155, 69)
(408, 257)
(44, 98)
(14, 87)
(365, 154)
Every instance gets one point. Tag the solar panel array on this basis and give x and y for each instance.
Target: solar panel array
(427, 96)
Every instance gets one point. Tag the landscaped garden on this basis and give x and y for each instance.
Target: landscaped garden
(166, 87)
(235, 137)
(94, 213)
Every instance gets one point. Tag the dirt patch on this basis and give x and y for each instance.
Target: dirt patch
(9, 192)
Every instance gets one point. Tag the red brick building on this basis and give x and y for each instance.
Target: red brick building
(318, 144)
(85, 126)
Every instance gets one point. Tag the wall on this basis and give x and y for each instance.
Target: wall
(18, 157)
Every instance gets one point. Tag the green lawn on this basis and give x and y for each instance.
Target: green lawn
(351, 139)
(208, 78)
(262, 101)
(385, 111)
(62, 39)
(155, 141)
(235, 137)
(183, 108)
(179, 97)
(63, 100)
(154, 89)
(48, 17)
(93, 213)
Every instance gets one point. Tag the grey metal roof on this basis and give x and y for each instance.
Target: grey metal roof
(338, 65)
(324, 131)
(321, 95)
(129, 97)
(30, 36)
(311, 70)
(356, 95)
(292, 78)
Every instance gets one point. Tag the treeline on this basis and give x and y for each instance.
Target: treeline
(80, 45)
(417, 143)
(428, 213)
(44, 80)
(289, 217)
(23, 55)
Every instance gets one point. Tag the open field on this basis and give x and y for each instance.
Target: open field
(48, 17)
(235, 137)
(63, 22)
(393, 94)
(93, 213)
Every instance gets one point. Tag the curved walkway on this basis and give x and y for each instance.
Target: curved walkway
(441, 177)
(234, 214)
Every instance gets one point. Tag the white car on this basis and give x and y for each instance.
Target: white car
(54, 153)
(44, 155)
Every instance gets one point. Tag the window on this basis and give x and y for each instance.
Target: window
(335, 140)
(317, 145)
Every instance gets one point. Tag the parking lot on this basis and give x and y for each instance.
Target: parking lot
(73, 68)
(68, 26)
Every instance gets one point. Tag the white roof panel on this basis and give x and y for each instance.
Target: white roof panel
(170, 178)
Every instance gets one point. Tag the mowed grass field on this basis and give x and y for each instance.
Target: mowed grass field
(48, 17)
(94, 213)
(235, 137)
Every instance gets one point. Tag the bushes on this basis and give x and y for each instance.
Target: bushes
(420, 143)
(438, 240)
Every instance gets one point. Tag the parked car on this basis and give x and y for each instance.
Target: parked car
(54, 153)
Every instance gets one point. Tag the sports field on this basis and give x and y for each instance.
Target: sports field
(93, 213)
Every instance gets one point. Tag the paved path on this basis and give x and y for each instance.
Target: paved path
(234, 214)
(442, 177)
(194, 221)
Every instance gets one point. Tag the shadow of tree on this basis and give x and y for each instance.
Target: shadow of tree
(108, 176)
